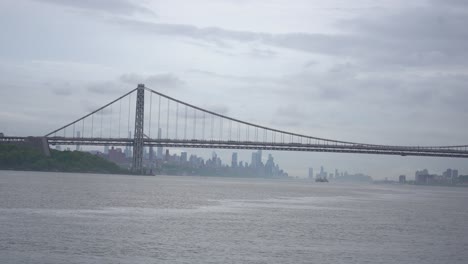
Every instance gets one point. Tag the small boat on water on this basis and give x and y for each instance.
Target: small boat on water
(321, 180)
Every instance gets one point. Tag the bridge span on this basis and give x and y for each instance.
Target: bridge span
(163, 121)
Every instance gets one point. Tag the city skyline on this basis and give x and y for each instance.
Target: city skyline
(228, 156)
(154, 160)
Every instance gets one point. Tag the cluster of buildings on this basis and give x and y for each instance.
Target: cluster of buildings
(163, 162)
(448, 177)
(338, 176)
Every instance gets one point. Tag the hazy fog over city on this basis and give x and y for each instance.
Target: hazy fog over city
(384, 72)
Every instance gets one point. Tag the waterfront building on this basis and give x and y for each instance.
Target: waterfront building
(234, 160)
(402, 179)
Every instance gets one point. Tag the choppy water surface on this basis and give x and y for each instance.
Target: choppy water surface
(83, 218)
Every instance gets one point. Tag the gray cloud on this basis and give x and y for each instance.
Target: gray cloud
(220, 109)
(125, 82)
(62, 91)
(423, 37)
(163, 81)
(262, 53)
(319, 43)
(310, 63)
(105, 87)
(451, 4)
(121, 7)
(288, 116)
(230, 77)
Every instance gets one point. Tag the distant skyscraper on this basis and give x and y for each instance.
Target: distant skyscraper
(167, 156)
(234, 160)
(151, 154)
(402, 179)
(270, 165)
(253, 160)
(159, 149)
(183, 157)
(106, 149)
(311, 173)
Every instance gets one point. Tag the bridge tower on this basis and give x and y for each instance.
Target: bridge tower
(137, 165)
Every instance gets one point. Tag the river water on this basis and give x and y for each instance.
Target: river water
(86, 218)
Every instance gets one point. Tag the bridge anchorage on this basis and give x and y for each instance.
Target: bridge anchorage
(182, 125)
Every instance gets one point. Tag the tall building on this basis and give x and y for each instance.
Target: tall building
(402, 179)
(159, 149)
(256, 160)
(447, 174)
(151, 154)
(183, 157)
(422, 177)
(167, 157)
(234, 160)
(311, 173)
(270, 165)
(253, 160)
(116, 155)
(106, 149)
(322, 173)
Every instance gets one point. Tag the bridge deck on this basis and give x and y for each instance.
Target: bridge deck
(454, 151)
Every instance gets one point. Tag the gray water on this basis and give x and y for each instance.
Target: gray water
(85, 218)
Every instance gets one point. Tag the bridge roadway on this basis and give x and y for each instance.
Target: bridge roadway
(444, 151)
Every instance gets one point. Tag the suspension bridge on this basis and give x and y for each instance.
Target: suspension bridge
(158, 120)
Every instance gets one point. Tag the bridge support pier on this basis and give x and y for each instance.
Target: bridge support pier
(137, 165)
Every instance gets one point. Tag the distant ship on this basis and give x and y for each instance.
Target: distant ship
(321, 180)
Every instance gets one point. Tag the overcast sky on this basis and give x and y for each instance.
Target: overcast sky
(384, 72)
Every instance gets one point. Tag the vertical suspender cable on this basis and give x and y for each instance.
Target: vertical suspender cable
(159, 117)
(120, 114)
(220, 128)
(167, 120)
(203, 127)
(150, 115)
(128, 117)
(194, 123)
(185, 123)
(212, 127)
(177, 120)
(102, 115)
(110, 126)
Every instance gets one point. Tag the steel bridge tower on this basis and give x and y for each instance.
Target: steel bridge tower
(138, 136)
